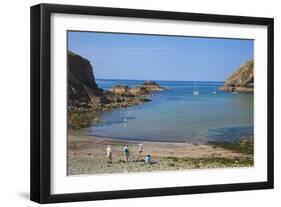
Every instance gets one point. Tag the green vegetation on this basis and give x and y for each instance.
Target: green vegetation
(245, 146)
(251, 67)
(83, 119)
(214, 162)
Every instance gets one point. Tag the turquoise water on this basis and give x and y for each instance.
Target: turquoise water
(177, 115)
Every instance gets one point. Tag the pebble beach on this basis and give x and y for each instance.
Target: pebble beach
(87, 155)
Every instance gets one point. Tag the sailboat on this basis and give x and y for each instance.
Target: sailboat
(195, 91)
(215, 91)
(125, 122)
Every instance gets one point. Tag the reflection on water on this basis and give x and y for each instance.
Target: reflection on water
(178, 115)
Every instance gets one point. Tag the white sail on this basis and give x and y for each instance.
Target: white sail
(196, 91)
(215, 90)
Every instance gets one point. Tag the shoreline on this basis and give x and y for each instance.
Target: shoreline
(142, 141)
(86, 155)
(119, 96)
(239, 89)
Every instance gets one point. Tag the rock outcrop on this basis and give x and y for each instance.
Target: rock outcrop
(121, 90)
(86, 100)
(242, 80)
(82, 88)
(140, 90)
(152, 86)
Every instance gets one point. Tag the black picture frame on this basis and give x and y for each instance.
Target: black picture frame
(41, 97)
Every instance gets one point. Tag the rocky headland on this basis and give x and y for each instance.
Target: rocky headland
(86, 100)
(242, 80)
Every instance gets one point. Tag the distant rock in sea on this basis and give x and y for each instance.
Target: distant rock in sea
(152, 86)
(242, 80)
(143, 89)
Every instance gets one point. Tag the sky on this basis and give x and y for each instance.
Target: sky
(156, 57)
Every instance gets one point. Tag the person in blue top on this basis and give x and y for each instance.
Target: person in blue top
(126, 153)
(148, 159)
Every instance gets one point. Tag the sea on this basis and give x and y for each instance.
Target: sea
(177, 115)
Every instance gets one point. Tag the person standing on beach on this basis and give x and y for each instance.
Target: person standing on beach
(109, 154)
(126, 153)
(140, 150)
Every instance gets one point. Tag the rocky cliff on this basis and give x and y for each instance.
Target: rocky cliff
(242, 80)
(86, 100)
(83, 91)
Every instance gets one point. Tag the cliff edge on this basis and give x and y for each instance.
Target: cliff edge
(242, 80)
(83, 90)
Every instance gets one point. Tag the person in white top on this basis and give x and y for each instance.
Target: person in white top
(109, 154)
(140, 149)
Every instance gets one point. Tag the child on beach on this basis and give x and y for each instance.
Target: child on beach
(148, 159)
(126, 153)
(109, 154)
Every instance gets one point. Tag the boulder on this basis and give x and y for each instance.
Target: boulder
(139, 91)
(121, 90)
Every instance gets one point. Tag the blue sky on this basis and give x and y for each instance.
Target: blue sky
(155, 57)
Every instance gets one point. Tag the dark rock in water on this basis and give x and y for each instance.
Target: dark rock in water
(242, 80)
(150, 83)
(237, 89)
(146, 100)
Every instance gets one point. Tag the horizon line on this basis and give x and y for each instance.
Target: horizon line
(157, 80)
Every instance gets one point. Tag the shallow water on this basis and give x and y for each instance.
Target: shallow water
(177, 115)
